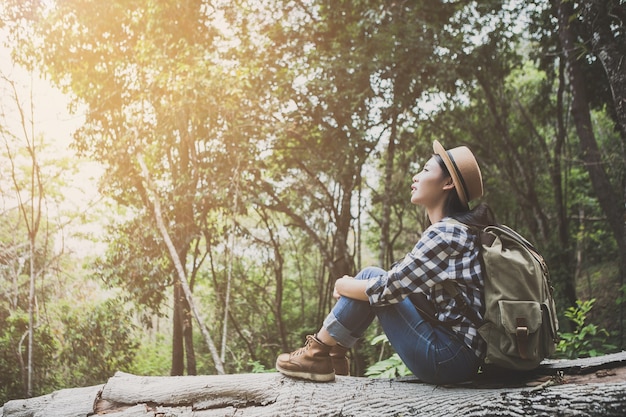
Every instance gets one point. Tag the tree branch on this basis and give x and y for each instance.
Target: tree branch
(178, 265)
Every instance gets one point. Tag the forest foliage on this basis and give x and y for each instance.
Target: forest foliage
(275, 141)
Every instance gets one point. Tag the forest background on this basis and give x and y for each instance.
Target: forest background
(252, 152)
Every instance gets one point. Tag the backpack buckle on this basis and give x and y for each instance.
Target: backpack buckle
(521, 331)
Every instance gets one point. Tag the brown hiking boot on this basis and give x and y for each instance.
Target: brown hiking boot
(310, 362)
(340, 361)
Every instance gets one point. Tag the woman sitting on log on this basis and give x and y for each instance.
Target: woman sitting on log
(446, 251)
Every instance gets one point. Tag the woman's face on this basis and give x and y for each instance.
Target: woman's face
(430, 185)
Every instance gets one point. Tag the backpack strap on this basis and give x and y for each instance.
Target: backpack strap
(427, 310)
(521, 334)
(453, 290)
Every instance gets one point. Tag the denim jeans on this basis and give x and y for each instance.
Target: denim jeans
(433, 353)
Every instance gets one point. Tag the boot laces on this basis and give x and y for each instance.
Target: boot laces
(304, 348)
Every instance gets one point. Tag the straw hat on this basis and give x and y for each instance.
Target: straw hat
(464, 171)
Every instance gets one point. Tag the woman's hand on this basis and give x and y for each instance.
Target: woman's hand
(347, 286)
(340, 285)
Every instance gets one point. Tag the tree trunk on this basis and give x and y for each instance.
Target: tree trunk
(343, 261)
(385, 252)
(31, 317)
(565, 255)
(603, 18)
(590, 152)
(190, 353)
(607, 45)
(31, 210)
(180, 271)
(583, 387)
(178, 350)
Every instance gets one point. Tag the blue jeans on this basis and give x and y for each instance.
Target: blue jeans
(433, 353)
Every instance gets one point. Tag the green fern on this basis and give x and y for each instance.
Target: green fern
(391, 367)
(587, 339)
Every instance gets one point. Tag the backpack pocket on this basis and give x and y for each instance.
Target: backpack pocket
(516, 314)
(550, 328)
(513, 338)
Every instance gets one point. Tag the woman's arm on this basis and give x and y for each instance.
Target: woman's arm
(347, 286)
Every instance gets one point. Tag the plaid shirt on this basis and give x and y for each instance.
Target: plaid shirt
(445, 251)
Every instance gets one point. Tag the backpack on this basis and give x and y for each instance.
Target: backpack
(520, 323)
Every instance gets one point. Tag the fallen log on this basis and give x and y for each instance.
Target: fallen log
(586, 387)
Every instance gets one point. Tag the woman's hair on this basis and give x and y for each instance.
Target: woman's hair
(481, 215)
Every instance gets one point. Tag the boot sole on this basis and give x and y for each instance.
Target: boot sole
(307, 375)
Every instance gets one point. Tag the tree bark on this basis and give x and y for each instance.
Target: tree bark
(182, 335)
(385, 252)
(583, 387)
(182, 279)
(590, 152)
(31, 210)
(178, 350)
(604, 17)
(607, 44)
(190, 353)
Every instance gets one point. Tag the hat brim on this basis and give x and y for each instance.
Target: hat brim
(452, 169)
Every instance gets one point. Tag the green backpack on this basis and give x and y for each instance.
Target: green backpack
(520, 322)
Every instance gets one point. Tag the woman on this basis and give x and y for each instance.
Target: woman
(447, 250)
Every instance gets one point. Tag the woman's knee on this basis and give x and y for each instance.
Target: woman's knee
(370, 272)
